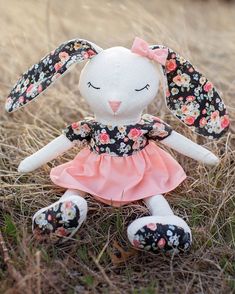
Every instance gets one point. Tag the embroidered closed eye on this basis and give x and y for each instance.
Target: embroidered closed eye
(89, 84)
(145, 87)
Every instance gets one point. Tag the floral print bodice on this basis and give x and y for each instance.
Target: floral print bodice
(117, 140)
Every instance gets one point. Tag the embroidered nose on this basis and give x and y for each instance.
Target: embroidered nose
(114, 105)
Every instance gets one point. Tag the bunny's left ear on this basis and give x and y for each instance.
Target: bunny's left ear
(44, 73)
(192, 98)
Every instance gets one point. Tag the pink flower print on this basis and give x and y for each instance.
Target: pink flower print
(75, 125)
(189, 120)
(204, 111)
(61, 231)
(104, 138)
(86, 128)
(184, 109)
(63, 56)
(182, 80)
(224, 121)
(214, 115)
(134, 134)
(185, 80)
(68, 204)
(49, 217)
(161, 243)
(126, 139)
(178, 80)
(170, 65)
(208, 86)
(136, 243)
(168, 93)
(191, 69)
(202, 122)
(136, 145)
(90, 53)
(29, 89)
(158, 130)
(158, 125)
(21, 99)
(152, 226)
(85, 55)
(57, 66)
(190, 98)
(39, 88)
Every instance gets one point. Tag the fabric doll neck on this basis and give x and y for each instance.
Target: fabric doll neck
(117, 121)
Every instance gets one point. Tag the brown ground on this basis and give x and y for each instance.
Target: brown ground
(204, 32)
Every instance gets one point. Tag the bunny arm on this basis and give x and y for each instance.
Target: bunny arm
(45, 154)
(188, 148)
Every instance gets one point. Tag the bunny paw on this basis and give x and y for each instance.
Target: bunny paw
(158, 237)
(155, 234)
(61, 219)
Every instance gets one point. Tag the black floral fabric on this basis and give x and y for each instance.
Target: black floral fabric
(189, 95)
(61, 219)
(47, 71)
(117, 140)
(162, 237)
(192, 98)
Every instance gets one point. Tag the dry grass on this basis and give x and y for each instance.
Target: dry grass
(204, 32)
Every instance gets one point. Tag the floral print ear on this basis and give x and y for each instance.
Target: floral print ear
(192, 98)
(44, 73)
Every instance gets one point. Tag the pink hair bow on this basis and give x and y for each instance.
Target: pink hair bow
(142, 48)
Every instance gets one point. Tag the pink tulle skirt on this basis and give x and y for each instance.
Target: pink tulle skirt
(120, 180)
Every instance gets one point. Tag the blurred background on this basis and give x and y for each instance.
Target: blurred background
(201, 31)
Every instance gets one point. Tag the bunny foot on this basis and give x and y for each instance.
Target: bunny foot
(169, 234)
(61, 219)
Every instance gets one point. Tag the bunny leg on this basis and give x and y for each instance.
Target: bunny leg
(162, 231)
(62, 218)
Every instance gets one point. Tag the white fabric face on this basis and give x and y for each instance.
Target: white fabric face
(118, 74)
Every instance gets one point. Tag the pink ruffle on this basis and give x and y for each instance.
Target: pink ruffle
(120, 180)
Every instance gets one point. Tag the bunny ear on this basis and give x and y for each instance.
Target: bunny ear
(44, 73)
(192, 98)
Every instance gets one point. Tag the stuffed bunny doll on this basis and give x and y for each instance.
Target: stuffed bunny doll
(119, 161)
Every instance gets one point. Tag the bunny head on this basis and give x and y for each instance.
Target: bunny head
(119, 83)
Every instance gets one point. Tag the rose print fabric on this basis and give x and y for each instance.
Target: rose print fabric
(47, 71)
(119, 165)
(192, 98)
(162, 237)
(118, 140)
(61, 219)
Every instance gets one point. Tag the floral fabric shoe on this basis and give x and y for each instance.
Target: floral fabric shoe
(162, 237)
(61, 219)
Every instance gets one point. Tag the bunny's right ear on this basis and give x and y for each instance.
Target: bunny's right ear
(41, 75)
(192, 98)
